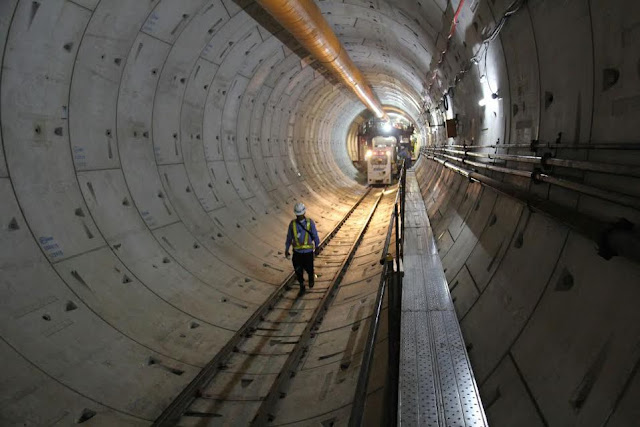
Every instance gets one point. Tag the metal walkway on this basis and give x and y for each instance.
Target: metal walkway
(437, 387)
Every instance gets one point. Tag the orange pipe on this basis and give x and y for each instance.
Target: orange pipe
(303, 19)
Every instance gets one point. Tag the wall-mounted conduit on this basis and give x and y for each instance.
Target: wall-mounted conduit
(613, 239)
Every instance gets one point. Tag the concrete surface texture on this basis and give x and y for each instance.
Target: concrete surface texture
(151, 153)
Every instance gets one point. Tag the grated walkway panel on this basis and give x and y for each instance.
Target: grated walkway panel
(437, 386)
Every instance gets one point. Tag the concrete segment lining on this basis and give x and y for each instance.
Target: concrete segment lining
(151, 153)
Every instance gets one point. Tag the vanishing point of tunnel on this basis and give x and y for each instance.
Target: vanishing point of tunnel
(151, 156)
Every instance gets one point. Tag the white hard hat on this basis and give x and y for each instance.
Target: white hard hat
(299, 209)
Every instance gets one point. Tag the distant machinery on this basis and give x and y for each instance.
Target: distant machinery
(378, 145)
(380, 160)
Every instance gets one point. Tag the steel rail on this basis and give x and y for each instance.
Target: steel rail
(172, 414)
(360, 395)
(276, 392)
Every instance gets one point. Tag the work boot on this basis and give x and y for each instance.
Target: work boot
(302, 289)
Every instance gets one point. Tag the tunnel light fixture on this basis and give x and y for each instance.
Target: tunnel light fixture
(368, 154)
(386, 126)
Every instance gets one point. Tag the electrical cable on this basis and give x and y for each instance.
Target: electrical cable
(486, 73)
(482, 53)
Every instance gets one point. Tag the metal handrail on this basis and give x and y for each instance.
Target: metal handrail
(394, 215)
(391, 266)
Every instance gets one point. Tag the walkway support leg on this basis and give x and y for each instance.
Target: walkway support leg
(394, 316)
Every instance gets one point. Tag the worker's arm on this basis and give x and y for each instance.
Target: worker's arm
(288, 242)
(314, 234)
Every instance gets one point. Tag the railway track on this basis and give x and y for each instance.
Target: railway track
(247, 379)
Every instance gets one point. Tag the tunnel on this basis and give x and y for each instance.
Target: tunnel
(152, 153)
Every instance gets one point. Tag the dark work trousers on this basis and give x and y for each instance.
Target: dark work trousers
(303, 261)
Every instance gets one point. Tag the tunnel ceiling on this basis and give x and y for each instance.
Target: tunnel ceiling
(151, 153)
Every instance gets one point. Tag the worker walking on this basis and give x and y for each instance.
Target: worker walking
(303, 235)
(405, 155)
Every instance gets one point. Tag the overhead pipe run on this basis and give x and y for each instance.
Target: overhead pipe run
(304, 20)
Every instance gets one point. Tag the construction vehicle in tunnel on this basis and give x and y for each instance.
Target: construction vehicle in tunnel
(380, 143)
(380, 161)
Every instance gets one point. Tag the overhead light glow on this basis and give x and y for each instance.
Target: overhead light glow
(368, 154)
(493, 98)
(386, 126)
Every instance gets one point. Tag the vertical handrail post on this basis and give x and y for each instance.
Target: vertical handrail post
(403, 199)
(391, 403)
(391, 386)
(396, 213)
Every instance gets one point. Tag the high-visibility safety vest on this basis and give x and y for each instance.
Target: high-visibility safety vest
(296, 239)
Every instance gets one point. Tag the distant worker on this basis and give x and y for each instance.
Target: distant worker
(406, 155)
(300, 233)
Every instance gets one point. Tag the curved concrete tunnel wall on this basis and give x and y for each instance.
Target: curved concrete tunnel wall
(152, 152)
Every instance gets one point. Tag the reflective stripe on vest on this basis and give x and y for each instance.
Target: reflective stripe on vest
(296, 239)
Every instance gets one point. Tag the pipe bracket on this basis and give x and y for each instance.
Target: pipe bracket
(606, 249)
(535, 176)
(544, 160)
(534, 145)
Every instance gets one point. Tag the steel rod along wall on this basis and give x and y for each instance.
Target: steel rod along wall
(613, 239)
(538, 176)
